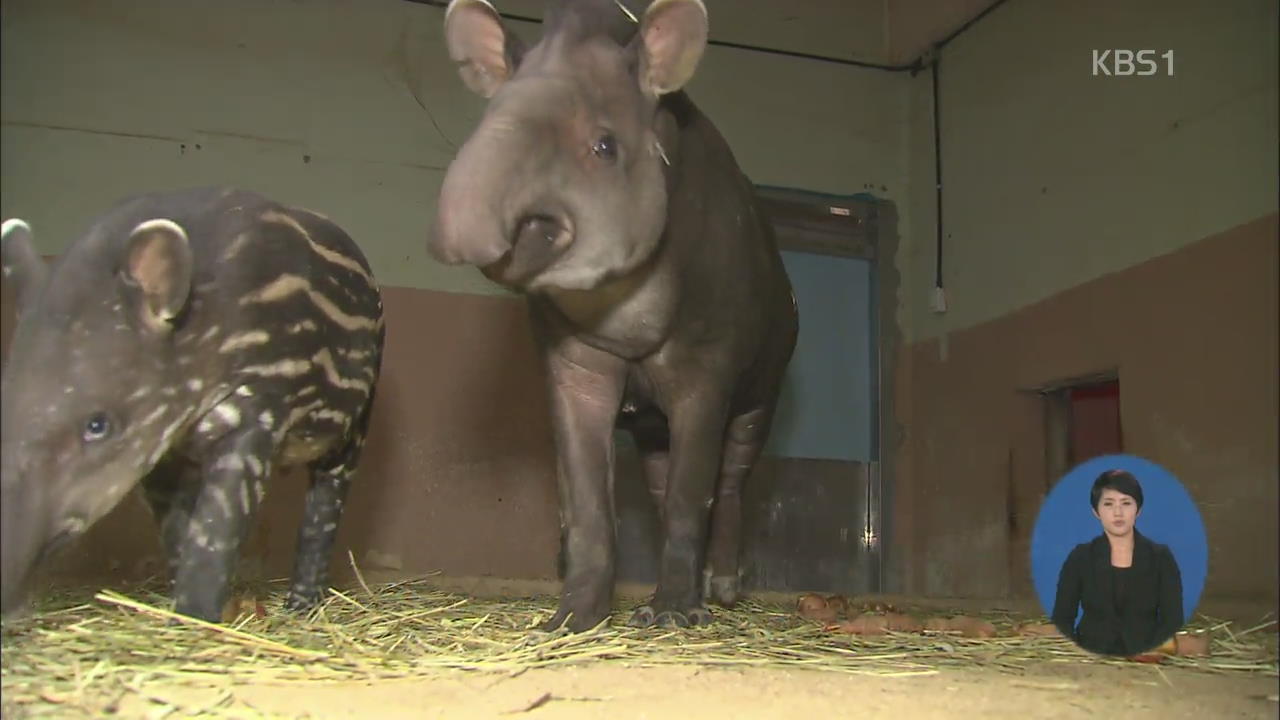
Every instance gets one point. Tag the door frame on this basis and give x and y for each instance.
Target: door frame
(859, 226)
(1057, 419)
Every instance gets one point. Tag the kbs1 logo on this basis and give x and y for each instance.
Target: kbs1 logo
(1131, 62)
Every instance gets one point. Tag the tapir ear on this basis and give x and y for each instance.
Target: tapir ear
(673, 35)
(485, 52)
(23, 266)
(158, 262)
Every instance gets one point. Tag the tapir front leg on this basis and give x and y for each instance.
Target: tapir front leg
(234, 477)
(586, 388)
(697, 436)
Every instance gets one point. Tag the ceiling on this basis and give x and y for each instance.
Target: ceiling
(878, 31)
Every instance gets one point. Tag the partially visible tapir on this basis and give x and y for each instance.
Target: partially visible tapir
(194, 341)
(658, 296)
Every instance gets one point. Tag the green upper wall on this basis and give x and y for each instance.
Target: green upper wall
(333, 105)
(1053, 177)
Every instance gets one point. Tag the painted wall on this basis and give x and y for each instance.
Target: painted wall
(1198, 396)
(1058, 183)
(1053, 176)
(1091, 223)
(351, 108)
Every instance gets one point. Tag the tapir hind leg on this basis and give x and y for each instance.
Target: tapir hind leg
(323, 509)
(742, 446)
(325, 498)
(653, 442)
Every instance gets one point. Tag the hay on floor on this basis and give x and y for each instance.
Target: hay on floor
(81, 656)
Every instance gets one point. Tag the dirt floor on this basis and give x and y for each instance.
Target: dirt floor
(609, 691)
(212, 681)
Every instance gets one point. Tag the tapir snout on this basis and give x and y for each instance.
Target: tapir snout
(23, 535)
(43, 508)
(489, 218)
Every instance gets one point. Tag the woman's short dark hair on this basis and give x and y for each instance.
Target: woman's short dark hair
(1118, 480)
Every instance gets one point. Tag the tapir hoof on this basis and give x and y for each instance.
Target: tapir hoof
(575, 622)
(724, 590)
(207, 611)
(645, 616)
(692, 617)
(301, 600)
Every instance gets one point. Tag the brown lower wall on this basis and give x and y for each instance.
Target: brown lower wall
(458, 476)
(459, 473)
(1194, 336)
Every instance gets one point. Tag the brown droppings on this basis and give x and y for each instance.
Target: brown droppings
(973, 627)
(900, 622)
(815, 607)
(239, 605)
(1036, 630)
(864, 625)
(937, 624)
(839, 604)
(1191, 644)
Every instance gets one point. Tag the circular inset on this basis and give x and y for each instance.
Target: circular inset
(1071, 554)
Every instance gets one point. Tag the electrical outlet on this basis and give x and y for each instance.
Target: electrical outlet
(939, 302)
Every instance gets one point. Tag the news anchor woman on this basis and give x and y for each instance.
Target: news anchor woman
(1130, 587)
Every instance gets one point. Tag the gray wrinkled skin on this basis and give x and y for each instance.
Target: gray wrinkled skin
(191, 342)
(657, 294)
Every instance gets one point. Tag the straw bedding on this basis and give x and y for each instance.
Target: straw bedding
(80, 655)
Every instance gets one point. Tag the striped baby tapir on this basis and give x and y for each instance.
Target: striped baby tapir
(193, 342)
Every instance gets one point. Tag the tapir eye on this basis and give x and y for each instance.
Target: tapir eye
(605, 146)
(97, 427)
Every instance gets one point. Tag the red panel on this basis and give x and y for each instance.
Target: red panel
(1095, 421)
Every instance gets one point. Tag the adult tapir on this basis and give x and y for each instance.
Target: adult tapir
(193, 341)
(658, 297)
